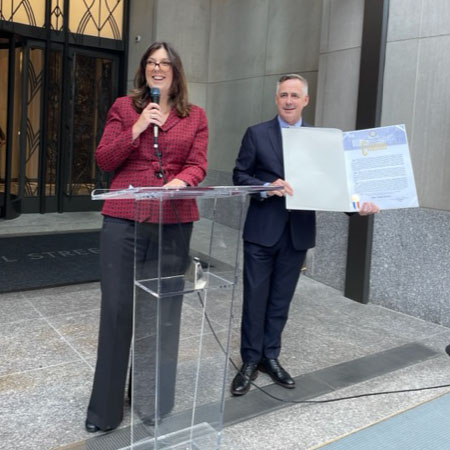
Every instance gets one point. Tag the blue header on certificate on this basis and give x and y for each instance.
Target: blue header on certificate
(374, 138)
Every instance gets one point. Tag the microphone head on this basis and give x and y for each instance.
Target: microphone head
(154, 95)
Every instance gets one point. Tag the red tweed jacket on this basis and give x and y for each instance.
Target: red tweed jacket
(183, 144)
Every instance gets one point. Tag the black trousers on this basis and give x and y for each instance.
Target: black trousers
(270, 278)
(117, 260)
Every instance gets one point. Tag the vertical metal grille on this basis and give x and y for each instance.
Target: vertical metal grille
(92, 99)
(35, 74)
(53, 111)
(57, 15)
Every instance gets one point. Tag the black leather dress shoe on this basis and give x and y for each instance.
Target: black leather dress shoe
(273, 368)
(242, 381)
(91, 428)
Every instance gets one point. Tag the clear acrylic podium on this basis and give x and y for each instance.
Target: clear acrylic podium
(184, 288)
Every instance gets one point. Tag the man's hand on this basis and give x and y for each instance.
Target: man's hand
(280, 192)
(368, 208)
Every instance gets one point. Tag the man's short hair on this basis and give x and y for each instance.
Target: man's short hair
(294, 76)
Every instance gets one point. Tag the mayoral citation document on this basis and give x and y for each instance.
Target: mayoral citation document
(332, 170)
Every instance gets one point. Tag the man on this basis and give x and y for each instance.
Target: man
(275, 239)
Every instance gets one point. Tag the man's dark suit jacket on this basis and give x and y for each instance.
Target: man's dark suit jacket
(260, 161)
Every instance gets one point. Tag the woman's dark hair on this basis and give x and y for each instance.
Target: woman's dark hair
(178, 94)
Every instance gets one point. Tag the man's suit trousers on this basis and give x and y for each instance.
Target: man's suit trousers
(270, 278)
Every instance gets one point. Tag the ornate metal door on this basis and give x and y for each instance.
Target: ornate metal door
(94, 87)
(59, 73)
(55, 124)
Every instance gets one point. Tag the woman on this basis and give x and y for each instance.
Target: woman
(127, 148)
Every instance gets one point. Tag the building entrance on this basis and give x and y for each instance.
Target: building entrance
(53, 106)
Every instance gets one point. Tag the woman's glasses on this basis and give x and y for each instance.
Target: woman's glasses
(163, 65)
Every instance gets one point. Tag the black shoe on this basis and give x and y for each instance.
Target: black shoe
(91, 428)
(241, 382)
(273, 368)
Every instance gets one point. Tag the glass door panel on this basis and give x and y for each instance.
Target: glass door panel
(40, 127)
(94, 89)
(35, 71)
(4, 52)
(14, 139)
(54, 101)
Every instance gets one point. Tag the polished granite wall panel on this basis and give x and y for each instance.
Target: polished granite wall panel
(269, 108)
(293, 28)
(411, 252)
(398, 27)
(431, 123)
(141, 34)
(340, 54)
(152, 20)
(342, 22)
(337, 89)
(218, 178)
(327, 261)
(435, 18)
(416, 91)
(237, 47)
(197, 94)
(228, 210)
(186, 25)
(231, 107)
(400, 84)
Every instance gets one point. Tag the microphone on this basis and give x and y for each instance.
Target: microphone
(154, 98)
(154, 95)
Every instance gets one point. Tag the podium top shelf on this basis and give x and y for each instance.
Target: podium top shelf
(171, 193)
